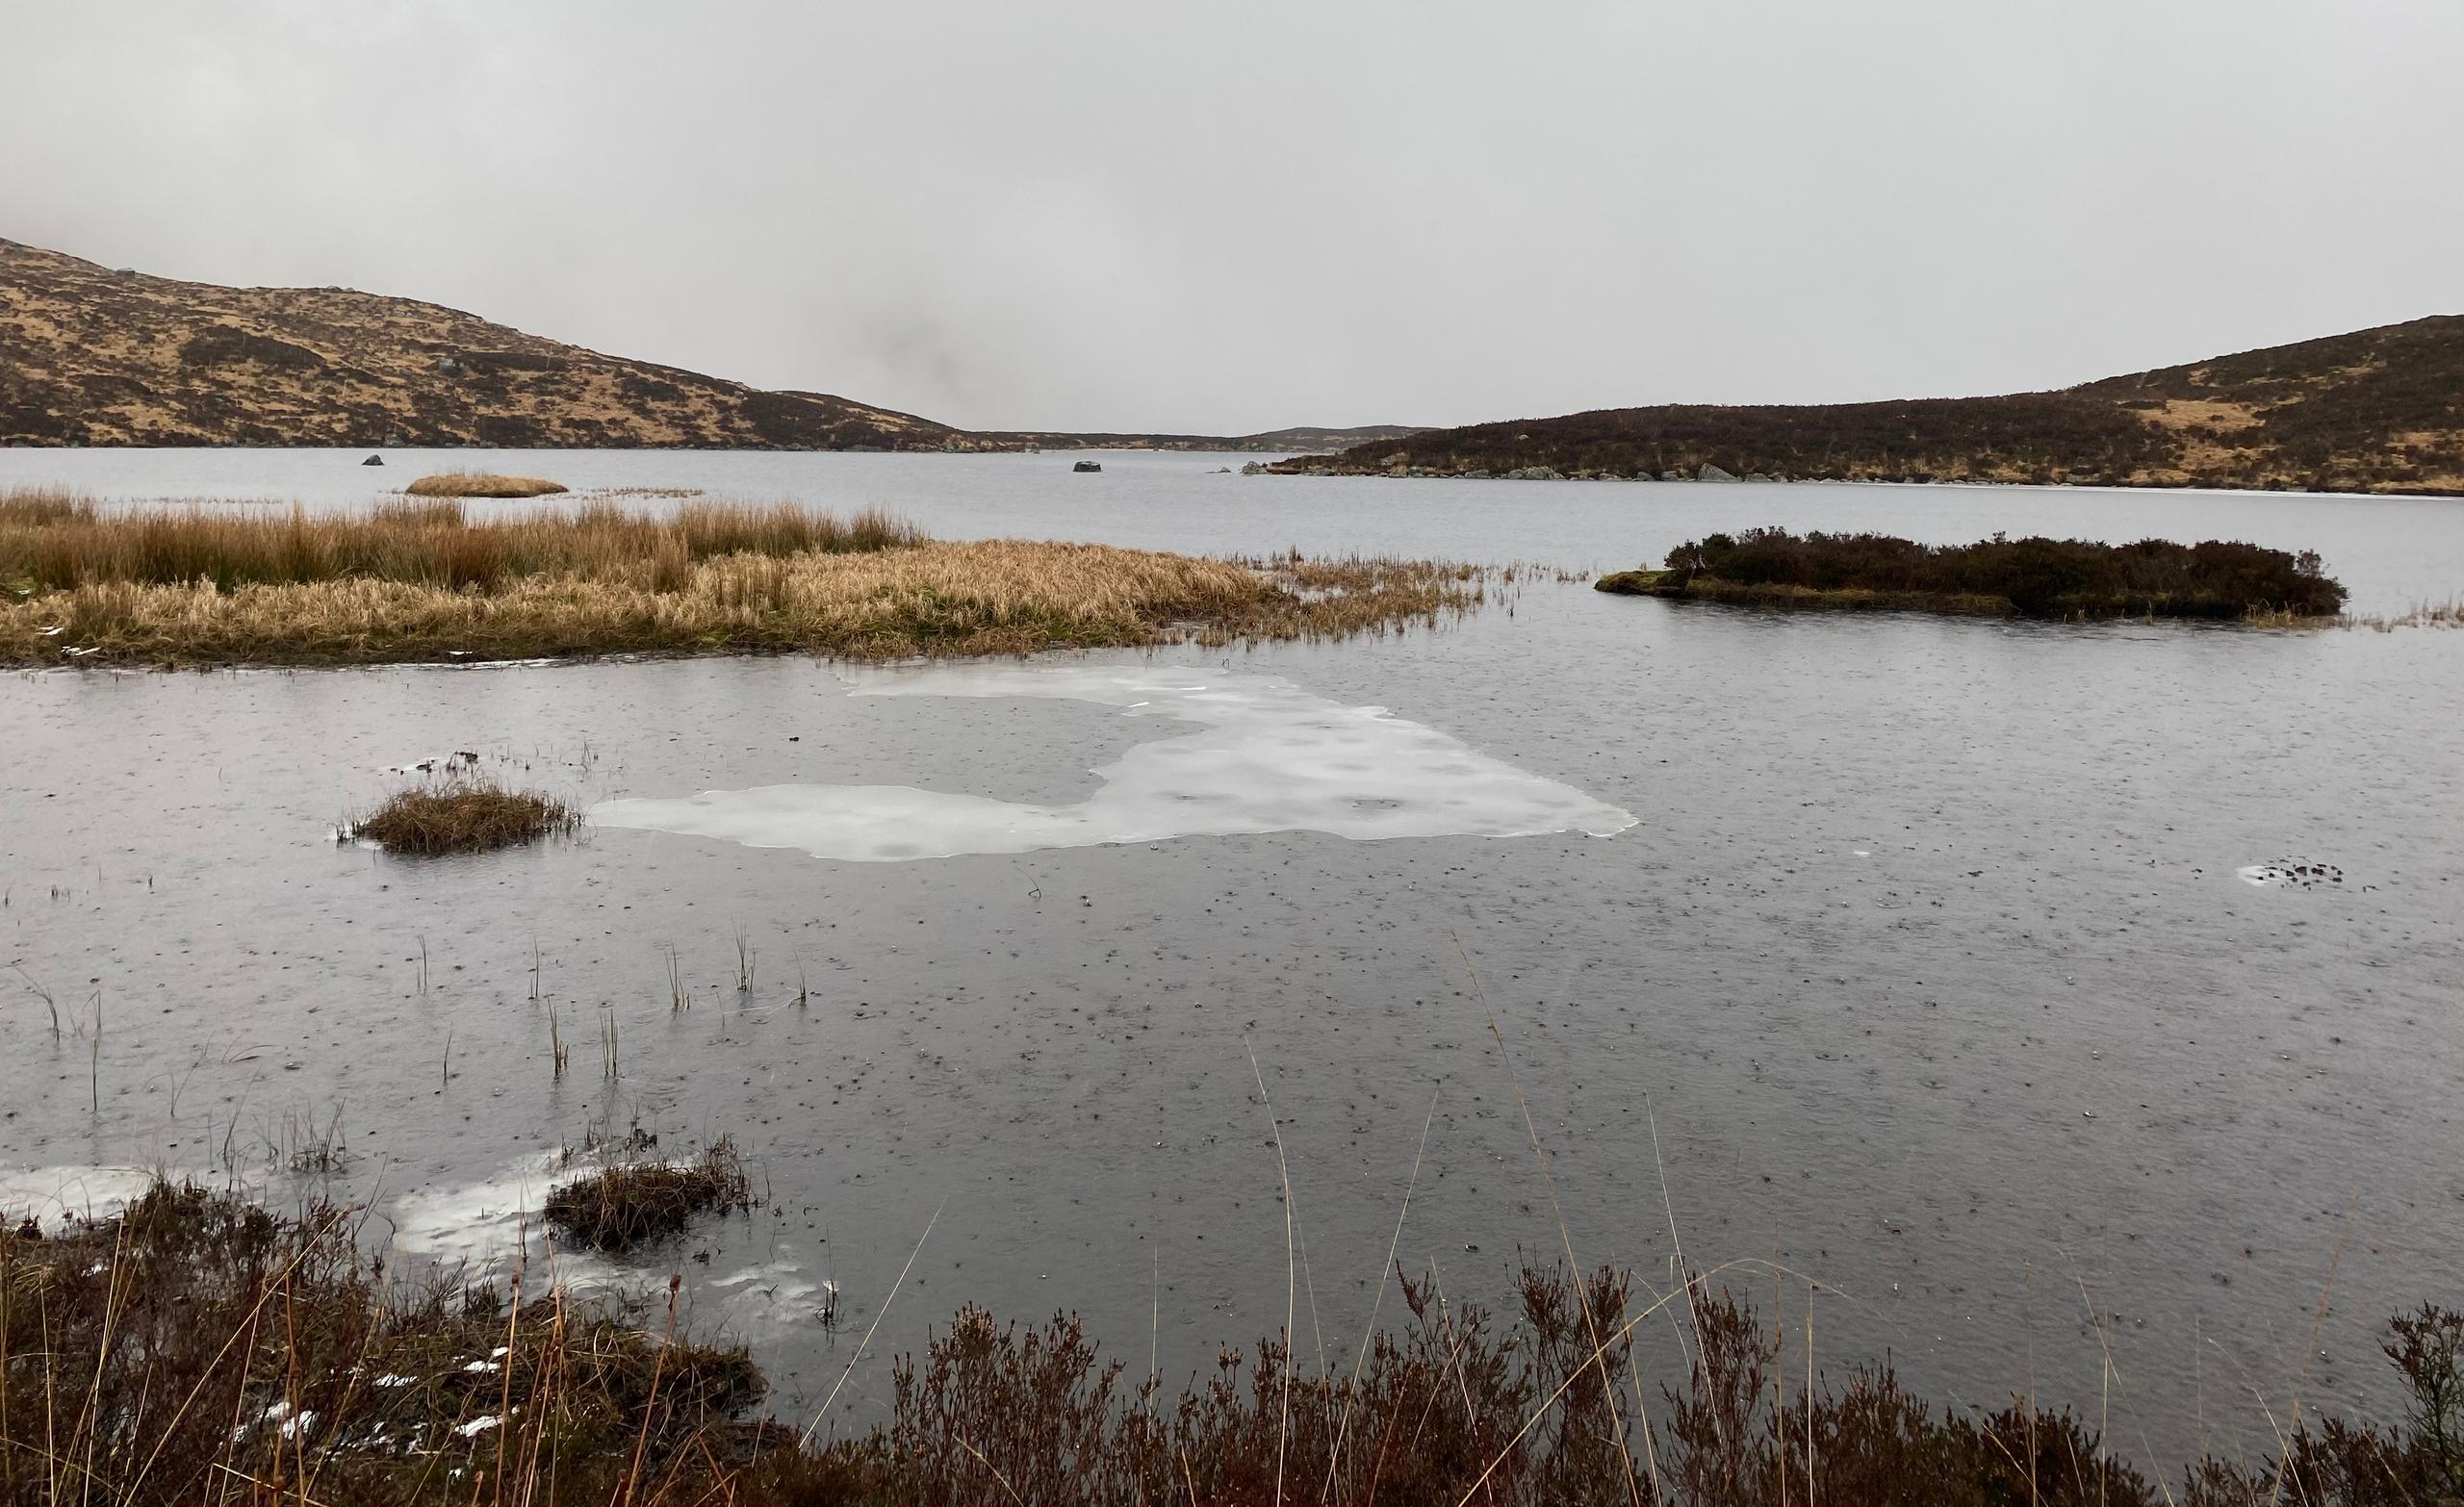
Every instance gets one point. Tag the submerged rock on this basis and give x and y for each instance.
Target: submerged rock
(1087, 466)
(374, 460)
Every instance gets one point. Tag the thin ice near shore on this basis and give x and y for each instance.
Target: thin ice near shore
(1267, 756)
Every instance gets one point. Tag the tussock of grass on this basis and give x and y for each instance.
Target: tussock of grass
(462, 816)
(418, 582)
(480, 484)
(620, 1207)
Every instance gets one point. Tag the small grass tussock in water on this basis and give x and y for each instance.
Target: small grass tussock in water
(461, 816)
(482, 484)
(620, 1207)
(418, 582)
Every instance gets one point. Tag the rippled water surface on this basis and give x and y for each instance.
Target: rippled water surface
(1932, 953)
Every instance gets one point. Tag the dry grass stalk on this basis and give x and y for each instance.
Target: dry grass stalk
(482, 484)
(2446, 614)
(620, 1207)
(469, 815)
(711, 579)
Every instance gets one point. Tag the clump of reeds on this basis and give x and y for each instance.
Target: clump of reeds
(461, 816)
(417, 581)
(622, 1206)
(2446, 614)
(482, 484)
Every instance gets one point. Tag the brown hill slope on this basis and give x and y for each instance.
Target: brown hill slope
(2379, 410)
(91, 356)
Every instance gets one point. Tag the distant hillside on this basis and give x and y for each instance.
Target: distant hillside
(1274, 441)
(2380, 410)
(93, 356)
(90, 356)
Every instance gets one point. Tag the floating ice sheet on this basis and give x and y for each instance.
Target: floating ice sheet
(1267, 758)
(2291, 874)
(57, 1196)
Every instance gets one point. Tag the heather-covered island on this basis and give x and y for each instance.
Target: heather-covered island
(2032, 577)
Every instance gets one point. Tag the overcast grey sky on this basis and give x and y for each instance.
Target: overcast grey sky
(1147, 214)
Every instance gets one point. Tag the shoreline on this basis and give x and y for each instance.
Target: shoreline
(1980, 483)
(563, 1389)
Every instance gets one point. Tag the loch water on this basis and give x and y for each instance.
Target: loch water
(1969, 968)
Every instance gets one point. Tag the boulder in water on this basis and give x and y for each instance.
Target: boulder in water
(1711, 473)
(1087, 466)
(374, 460)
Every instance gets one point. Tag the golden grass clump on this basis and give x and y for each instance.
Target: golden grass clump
(482, 484)
(462, 816)
(52, 540)
(619, 1206)
(417, 581)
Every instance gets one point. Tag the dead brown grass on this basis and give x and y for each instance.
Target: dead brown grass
(56, 541)
(462, 815)
(419, 582)
(201, 1350)
(619, 1206)
(480, 484)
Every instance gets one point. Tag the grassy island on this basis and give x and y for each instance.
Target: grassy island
(619, 1206)
(421, 582)
(462, 816)
(476, 484)
(2033, 577)
(200, 1349)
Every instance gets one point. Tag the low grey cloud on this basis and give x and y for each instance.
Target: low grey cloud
(1093, 214)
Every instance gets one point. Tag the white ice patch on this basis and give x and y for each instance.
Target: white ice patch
(2289, 874)
(761, 1302)
(55, 1196)
(1267, 757)
(490, 1228)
